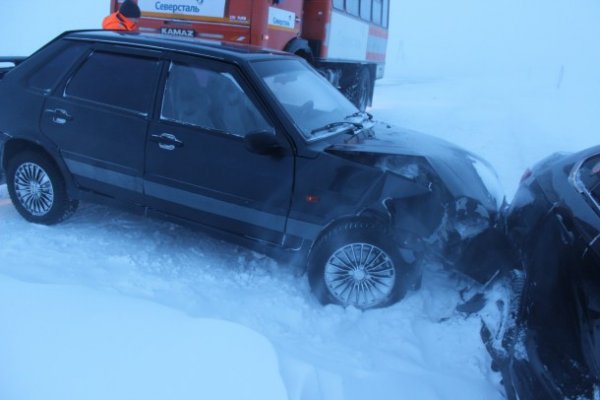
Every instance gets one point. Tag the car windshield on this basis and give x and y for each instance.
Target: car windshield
(315, 106)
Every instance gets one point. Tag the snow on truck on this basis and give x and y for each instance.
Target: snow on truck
(344, 39)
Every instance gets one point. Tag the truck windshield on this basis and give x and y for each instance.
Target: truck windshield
(317, 108)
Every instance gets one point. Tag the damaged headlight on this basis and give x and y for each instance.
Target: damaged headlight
(468, 217)
(489, 178)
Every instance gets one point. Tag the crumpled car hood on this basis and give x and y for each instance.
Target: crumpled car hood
(464, 173)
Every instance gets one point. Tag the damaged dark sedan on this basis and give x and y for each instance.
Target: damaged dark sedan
(251, 144)
(549, 343)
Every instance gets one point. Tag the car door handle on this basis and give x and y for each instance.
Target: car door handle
(166, 141)
(59, 116)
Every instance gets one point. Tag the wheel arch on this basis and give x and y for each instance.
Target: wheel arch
(366, 228)
(16, 146)
(397, 205)
(301, 48)
(369, 215)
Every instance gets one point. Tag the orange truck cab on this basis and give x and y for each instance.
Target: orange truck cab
(344, 39)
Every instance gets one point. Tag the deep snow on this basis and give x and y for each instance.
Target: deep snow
(419, 347)
(512, 81)
(69, 342)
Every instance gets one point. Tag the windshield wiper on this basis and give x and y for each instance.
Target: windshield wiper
(331, 126)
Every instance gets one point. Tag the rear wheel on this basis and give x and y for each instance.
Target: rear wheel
(354, 264)
(359, 92)
(37, 189)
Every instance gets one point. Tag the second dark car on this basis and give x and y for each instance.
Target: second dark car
(549, 347)
(245, 142)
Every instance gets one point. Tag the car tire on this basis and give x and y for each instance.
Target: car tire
(355, 264)
(37, 189)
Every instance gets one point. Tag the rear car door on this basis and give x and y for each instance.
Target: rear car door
(197, 164)
(99, 116)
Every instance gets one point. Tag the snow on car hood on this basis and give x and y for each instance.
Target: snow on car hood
(464, 173)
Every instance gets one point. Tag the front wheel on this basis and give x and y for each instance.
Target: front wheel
(355, 265)
(37, 189)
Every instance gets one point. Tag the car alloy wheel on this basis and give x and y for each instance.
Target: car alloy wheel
(34, 189)
(37, 188)
(355, 263)
(360, 274)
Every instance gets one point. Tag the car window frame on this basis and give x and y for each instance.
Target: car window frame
(57, 48)
(576, 180)
(302, 141)
(214, 65)
(590, 191)
(60, 90)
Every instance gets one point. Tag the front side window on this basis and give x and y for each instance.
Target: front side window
(209, 99)
(308, 98)
(116, 80)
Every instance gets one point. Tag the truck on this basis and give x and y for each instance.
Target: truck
(345, 40)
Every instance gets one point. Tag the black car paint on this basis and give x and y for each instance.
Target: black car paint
(553, 350)
(2, 177)
(286, 199)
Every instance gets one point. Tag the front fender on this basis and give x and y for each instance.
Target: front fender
(415, 207)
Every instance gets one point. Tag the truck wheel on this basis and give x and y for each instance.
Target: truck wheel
(354, 264)
(358, 93)
(37, 189)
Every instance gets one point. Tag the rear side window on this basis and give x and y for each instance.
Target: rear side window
(352, 7)
(116, 80)
(386, 4)
(589, 176)
(377, 6)
(365, 9)
(49, 73)
(592, 180)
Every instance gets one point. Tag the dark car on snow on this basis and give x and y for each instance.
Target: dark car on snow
(549, 346)
(248, 143)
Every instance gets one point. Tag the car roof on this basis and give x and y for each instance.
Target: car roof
(224, 50)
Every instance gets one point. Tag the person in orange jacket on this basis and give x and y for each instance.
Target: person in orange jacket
(125, 19)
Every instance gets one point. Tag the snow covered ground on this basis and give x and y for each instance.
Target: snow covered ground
(419, 347)
(112, 305)
(69, 342)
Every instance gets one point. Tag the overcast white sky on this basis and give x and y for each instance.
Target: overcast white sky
(427, 37)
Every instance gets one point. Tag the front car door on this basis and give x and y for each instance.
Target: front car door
(99, 118)
(197, 164)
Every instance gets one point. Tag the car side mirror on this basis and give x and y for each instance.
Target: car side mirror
(263, 142)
